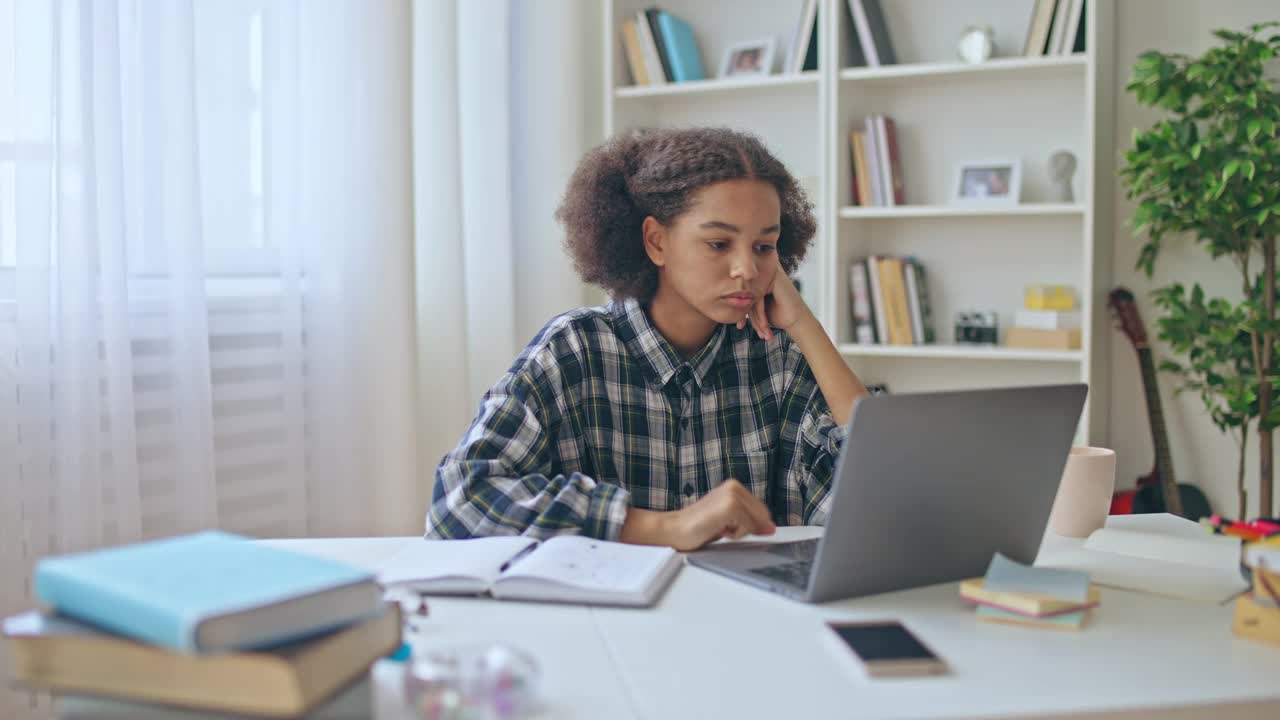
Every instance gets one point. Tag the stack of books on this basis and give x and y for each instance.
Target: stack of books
(877, 168)
(1039, 597)
(889, 302)
(1257, 614)
(1048, 320)
(660, 48)
(1057, 28)
(202, 625)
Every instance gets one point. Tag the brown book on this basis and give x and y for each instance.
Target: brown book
(1040, 339)
(862, 171)
(60, 654)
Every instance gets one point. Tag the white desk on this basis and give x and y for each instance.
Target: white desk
(715, 648)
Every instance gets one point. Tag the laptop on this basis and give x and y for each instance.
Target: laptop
(927, 488)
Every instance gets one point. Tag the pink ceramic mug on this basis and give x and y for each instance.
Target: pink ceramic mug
(1084, 495)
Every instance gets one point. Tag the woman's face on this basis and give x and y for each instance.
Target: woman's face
(721, 254)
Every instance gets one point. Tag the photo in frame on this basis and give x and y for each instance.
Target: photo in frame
(754, 57)
(992, 182)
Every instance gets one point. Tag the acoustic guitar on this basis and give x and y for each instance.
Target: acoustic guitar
(1158, 490)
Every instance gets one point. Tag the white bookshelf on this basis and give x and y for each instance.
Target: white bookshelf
(947, 112)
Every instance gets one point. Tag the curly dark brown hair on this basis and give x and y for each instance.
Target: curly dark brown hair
(657, 172)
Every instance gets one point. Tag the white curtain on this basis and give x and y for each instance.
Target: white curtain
(206, 311)
(505, 100)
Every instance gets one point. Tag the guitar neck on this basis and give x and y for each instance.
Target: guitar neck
(1159, 435)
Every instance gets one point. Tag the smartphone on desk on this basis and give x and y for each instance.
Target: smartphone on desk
(888, 649)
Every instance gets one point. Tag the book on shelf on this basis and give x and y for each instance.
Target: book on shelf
(889, 301)
(207, 592)
(874, 150)
(877, 299)
(680, 48)
(864, 327)
(634, 52)
(872, 33)
(887, 135)
(895, 301)
(861, 171)
(804, 40)
(876, 164)
(565, 568)
(1057, 27)
(649, 48)
(55, 652)
(650, 16)
(1038, 30)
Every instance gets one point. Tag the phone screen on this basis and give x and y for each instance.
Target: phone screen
(882, 641)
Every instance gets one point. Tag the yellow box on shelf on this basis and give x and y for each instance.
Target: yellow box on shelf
(1039, 339)
(1049, 297)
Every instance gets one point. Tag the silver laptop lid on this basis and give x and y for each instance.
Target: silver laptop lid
(930, 485)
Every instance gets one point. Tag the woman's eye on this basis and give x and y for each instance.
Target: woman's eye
(717, 245)
(764, 249)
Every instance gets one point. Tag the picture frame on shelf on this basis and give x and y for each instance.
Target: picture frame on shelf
(988, 182)
(753, 57)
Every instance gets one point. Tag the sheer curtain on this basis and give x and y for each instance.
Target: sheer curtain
(506, 98)
(206, 292)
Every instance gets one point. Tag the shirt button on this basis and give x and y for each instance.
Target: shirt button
(684, 423)
(688, 488)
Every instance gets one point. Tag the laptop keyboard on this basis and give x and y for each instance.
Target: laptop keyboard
(800, 549)
(793, 573)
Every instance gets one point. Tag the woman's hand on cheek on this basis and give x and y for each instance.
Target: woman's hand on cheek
(781, 306)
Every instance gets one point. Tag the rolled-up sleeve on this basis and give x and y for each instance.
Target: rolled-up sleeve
(811, 443)
(499, 481)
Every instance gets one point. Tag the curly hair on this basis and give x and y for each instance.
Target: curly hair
(657, 172)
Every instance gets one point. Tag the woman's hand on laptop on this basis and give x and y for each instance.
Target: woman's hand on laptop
(729, 511)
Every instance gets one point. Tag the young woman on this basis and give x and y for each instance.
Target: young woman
(704, 402)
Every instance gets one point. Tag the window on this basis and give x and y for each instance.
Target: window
(230, 69)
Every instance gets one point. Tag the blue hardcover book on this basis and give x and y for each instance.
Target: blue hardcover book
(207, 592)
(682, 48)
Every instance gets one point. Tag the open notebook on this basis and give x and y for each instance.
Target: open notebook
(566, 568)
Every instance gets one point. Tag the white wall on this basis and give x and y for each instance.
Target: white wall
(557, 115)
(1201, 454)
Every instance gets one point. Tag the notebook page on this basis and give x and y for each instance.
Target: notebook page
(450, 565)
(595, 565)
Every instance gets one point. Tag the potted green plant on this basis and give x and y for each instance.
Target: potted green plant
(1210, 171)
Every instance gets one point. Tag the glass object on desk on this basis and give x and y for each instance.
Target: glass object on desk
(471, 682)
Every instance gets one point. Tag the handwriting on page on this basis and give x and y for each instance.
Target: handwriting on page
(596, 564)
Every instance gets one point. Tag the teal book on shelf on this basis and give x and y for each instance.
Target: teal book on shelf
(681, 47)
(207, 592)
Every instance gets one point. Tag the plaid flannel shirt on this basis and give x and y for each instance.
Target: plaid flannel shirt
(600, 413)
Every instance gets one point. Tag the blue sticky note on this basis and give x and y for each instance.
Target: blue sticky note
(1005, 575)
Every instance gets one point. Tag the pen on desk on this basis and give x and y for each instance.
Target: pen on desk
(516, 558)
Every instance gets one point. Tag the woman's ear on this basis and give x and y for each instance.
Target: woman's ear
(655, 240)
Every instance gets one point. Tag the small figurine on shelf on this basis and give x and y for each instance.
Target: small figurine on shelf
(977, 44)
(976, 328)
(1062, 167)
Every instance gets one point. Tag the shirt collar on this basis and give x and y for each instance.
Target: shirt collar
(659, 358)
